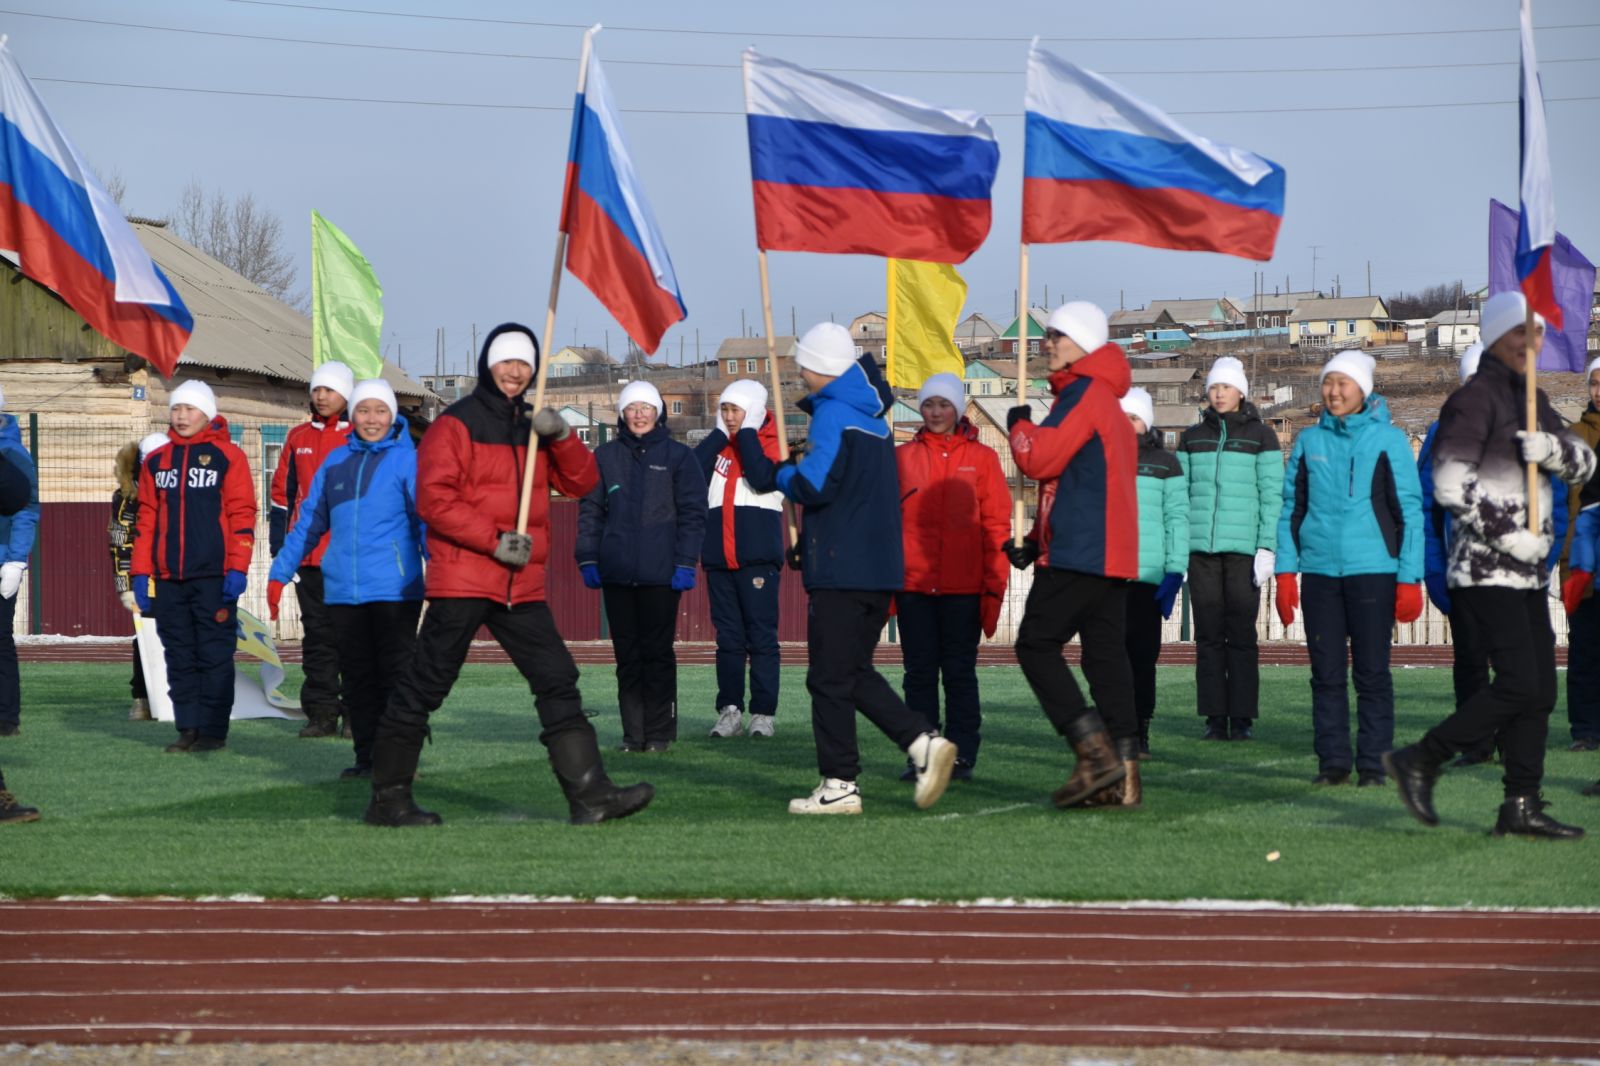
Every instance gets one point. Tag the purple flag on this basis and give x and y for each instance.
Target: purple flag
(1573, 275)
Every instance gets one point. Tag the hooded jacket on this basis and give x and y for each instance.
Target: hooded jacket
(469, 483)
(744, 516)
(17, 530)
(955, 514)
(362, 510)
(647, 515)
(1235, 470)
(1587, 428)
(197, 508)
(1163, 512)
(1085, 457)
(1480, 478)
(849, 486)
(305, 448)
(1352, 502)
(124, 527)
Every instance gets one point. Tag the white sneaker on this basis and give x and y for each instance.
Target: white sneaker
(833, 796)
(730, 722)
(761, 725)
(933, 757)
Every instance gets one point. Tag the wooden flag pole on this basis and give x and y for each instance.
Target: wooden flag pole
(1024, 320)
(777, 392)
(550, 312)
(1531, 353)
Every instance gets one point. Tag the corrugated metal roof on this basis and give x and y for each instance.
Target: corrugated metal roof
(755, 347)
(237, 326)
(1344, 307)
(1189, 310)
(1164, 375)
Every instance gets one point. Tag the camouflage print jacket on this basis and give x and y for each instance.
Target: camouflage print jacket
(124, 515)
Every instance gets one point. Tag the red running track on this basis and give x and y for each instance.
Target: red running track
(1358, 981)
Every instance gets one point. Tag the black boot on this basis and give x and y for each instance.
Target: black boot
(591, 795)
(186, 740)
(1524, 816)
(321, 723)
(1414, 773)
(394, 808)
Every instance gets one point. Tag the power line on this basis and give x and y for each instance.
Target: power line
(1010, 72)
(964, 38)
(473, 105)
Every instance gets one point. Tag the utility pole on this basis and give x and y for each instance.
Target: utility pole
(744, 330)
(1369, 277)
(1314, 257)
(793, 328)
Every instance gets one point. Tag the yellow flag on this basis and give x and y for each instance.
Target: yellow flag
(925, 301)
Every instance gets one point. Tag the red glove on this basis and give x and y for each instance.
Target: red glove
(989, 612)
(274, 597)
(1407, 603)
(1575, 588)
(1288, 597)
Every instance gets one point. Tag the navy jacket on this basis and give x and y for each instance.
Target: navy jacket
(17, 529)
(364, 496)
(849, 484)
(647, 515)
(744, 520)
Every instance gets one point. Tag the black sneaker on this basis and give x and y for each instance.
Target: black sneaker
(910, 772)
(12, 811)
(1216, 729)
(10, 729)
(1332, 777)
(357, 772)
(204, 744)
(1371, 779)
(1242, 729)
(656, 747)
(961, 772)
(1585, 744)
(630, 747)
(1592, 790)
(185, 742)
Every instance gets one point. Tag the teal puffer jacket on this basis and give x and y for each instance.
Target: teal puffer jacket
(1163, 512)
(1235, 471)
(1352, 503)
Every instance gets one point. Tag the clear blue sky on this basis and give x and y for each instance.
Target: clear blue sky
(456, 206)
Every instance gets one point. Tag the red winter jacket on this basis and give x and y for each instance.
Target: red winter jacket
(197, 508)
(1085, 457)
(955, 515)
(469, 482)
(304, 449)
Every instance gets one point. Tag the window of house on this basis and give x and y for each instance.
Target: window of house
(1350, 327)
(749, 366)
(1333, 327)
(983, 386)
(733, 366)
(677, 407)
(860, 351)
(583, 434)
(1305, 329)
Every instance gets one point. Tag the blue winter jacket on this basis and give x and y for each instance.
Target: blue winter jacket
(16, 531)
(1352, 503)
(849, 484)
(647, 516)
(365, 497)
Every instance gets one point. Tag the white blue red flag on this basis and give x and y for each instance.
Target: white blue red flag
(70, 237)
(1099, 164)
(613, 243)
(1536, 231)
(842, 168)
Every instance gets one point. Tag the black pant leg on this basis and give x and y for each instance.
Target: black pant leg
(960, 628)
(1583, 670)
(10, 672)
(1143, 628)
(1103, 640)
(1522, 740)
(528, 634)
(319, 647)
(758, 601)
(377, 642)
(918, 618)
(1050, 620)
(1242, 606)
(175, 625)
(623, 613)
(441, 648)
(874, 696)
(1369, 614)
(830, 680)
(1323, 609)
(727, 618)
(136, 684)
(658, 629)
(216, 637)
(1210, 651)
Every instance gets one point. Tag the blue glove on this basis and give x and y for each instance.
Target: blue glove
(233, 585)
(1167, 593)
(141, 592)
(683, 579)
(591, 575)
(1438, 591)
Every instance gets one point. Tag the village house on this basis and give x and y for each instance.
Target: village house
(1272, 310)
(1453, 330)
(1133, 323)
(1346, 322)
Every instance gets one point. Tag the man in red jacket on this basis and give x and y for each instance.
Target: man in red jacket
(955, 517)
(304, 449)
(481, 572)
(1086, 541)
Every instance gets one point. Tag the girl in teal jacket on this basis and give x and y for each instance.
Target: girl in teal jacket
(1352, 526)
(1234, 465)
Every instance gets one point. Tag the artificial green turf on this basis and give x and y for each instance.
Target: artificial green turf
(268, 817)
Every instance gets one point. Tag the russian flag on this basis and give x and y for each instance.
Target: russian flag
(1536, 229)
(1102, 165)
(70, 237)
(842, 168)
(613, 243)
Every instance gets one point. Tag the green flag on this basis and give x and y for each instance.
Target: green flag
(346, 303)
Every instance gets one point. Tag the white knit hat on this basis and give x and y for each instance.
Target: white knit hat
(150, 443)
(827, 348)
(1139, 404)
(640, 392)
(375, 389)
(1502, 313)
(512, 344)
(745, 394)
(196, 394)
(335, 376)
(1083, 323)
(1594, 364)
(1228, 371)
(1470, 360)
(946, 386)
(1355, 365)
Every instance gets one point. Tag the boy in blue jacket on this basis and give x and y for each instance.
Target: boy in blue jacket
(852, 558)
(16, 544)
(364, 499)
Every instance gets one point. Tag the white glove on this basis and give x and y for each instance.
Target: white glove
(1265, 557)
(1525, 547)
(1541, 449)
(128, 601)
(753, 417)
(11, 578)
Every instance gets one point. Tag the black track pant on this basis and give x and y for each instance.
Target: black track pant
(644, 621)
(1143, 641)
(376, 643)
(1227, 668)
(319, 648)
(1064, 604)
